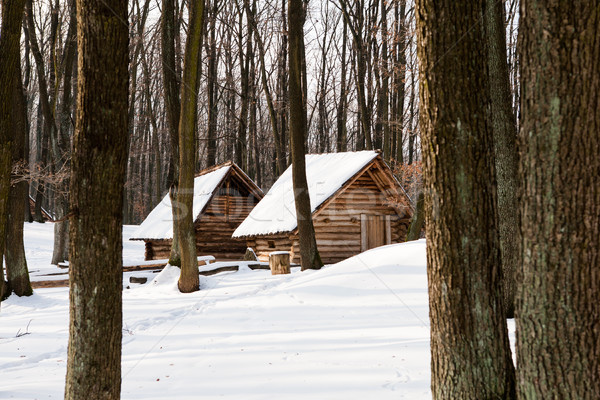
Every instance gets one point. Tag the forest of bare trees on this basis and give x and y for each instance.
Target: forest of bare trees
(362, 91)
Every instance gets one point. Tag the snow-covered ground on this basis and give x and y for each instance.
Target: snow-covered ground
(358, 329)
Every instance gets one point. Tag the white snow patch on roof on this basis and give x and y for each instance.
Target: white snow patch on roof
(325, 173)
(159, 223)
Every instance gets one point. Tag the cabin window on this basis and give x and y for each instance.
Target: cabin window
(271, 244)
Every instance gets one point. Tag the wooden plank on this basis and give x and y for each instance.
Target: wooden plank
(388, 230)
(49, 284)
(363, 233)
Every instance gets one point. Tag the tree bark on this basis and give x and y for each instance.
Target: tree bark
(254, 160)
(61, 228)
(558, 312)
(211, 83)
(16, 263)
(173, 108)
(400, 41)
(418, 219)
(469, 340)
(505, 137)
(342, 110)
(189, 280)
(383, 100)
(97, 184)
(282, 90)
(10, 37)
(241, 144)
(309, 255)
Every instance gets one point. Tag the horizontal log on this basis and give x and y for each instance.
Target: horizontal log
(345, 222)
(337, 236)
(49, 284)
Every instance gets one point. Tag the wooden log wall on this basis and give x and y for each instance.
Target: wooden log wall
(338, 225)
(264, 245)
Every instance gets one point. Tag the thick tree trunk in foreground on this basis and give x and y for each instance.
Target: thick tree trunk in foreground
(469, 341)
(558, 313)
(189, 280)
(10, 37)
(97, 181)
(309, 255)
(505, 137)
(173, 108)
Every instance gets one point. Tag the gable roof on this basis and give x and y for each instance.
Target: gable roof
(326, 175)
(159, 223)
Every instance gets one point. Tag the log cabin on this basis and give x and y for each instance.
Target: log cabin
(357, 204)
(223, 198)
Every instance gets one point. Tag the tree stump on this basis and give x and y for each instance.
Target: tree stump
(250, 255)
(279, 262)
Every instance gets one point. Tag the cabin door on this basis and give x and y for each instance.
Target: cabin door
(375, 231)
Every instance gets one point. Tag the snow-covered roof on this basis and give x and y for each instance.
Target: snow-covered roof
(159, 223)
(325, 173)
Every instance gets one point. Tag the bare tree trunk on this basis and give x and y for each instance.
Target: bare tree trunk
(469, 340)
(254, 162)
(309, 254)
(400, 41)
(10, 37)
(189, 280)
(28, 217)
(13, 130)
(321, 121)
(342, 111)
(61, 228)
(172, 105)
(383, 100)
(97, 183)
(16, 263)
(505, 137)
(418, 219)
(241, 144)
(211, 82)
(282, 92)
(558, 312)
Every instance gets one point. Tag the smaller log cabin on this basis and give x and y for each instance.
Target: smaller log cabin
(357, 204)
(223, 197)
